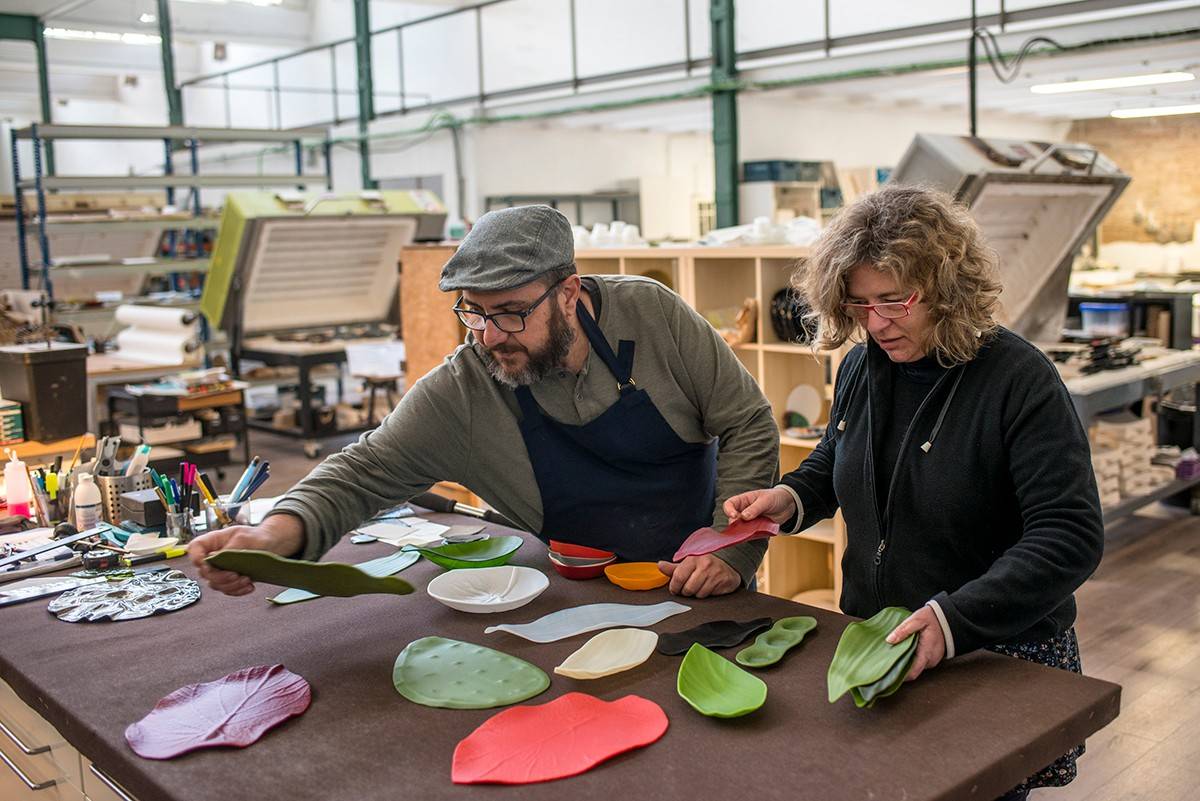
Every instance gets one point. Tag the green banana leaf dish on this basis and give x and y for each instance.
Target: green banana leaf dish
(323, 578)
(714, 686)
(865, 697)
(864, 656)
(492, 552)
(383, 566)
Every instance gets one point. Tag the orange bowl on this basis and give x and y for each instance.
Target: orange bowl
(636, 575)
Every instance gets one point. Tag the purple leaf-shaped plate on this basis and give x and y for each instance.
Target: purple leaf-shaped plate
(233, 710)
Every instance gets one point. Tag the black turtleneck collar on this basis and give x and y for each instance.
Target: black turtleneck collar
(925, 370)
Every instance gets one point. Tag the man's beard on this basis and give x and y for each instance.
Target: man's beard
(538, 365)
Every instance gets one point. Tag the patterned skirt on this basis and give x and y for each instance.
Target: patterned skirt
(1059, 652)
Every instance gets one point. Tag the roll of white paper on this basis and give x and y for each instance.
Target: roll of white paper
(157, 347)
(156, 318)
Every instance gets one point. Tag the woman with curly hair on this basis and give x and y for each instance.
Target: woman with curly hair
(953, 450)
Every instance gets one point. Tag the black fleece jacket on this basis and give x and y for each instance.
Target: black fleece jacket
(998, 519)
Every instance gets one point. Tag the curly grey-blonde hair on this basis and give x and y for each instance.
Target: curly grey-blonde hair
(927, 242)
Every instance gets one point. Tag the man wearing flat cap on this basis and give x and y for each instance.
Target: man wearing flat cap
(601, 411)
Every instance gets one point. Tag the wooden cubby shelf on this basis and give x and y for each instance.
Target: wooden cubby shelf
(806, 566)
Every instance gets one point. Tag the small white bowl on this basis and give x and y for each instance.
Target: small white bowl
(488, 589)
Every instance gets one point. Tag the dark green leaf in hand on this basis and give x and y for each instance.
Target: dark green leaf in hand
(323, 578)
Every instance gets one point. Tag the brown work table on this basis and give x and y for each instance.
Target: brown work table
(970, 729)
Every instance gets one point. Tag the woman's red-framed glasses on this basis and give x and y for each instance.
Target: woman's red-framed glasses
(888, 311)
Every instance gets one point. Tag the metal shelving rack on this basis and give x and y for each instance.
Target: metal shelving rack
(1115, 389)
(172, 137)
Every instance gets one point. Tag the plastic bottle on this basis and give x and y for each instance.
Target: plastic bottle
(16, 483)
(87, 503)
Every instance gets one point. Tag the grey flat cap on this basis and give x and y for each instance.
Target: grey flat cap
(508, 248)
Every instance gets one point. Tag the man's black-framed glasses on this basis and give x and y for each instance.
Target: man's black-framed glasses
(510, 322)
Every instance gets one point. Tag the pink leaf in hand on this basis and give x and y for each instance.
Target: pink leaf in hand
(570, 735)
(233, 710)
(707, 540)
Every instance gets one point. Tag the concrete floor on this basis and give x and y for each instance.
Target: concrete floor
(1138, 626)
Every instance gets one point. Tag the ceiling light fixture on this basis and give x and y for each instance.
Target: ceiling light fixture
(147, 18)
(1125, 82)
(260, 3)
(103, 36)
(1155, 111)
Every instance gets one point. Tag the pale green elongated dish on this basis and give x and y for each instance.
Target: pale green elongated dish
(770, 646)
(863, 654)
(492, 552)
(323, 578)
(383, 566)
(714, 686)
(865, 697)
(435, 671)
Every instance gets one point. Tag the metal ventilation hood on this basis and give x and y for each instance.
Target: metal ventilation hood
(1037, 203)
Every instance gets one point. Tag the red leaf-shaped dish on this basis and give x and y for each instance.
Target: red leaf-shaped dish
(233, 710)
(706, 540)
(570, 735)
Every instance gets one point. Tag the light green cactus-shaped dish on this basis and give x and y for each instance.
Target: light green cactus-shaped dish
(434, 671)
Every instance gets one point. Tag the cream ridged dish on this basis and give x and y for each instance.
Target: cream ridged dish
(488, 589)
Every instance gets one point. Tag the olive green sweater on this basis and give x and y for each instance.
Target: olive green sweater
(459, 424)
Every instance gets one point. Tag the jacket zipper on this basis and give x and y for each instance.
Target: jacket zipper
(886, 523)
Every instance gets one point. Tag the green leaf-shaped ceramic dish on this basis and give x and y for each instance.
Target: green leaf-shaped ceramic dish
(863, 655)
(865, 697)
(383, 566)
(323, 578)
(434, 671)
(716, 687)
(770, 646)
(492, 552)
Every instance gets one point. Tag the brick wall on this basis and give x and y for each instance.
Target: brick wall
(1162, 155)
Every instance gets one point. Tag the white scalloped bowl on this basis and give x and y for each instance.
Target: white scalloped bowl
(483, 590)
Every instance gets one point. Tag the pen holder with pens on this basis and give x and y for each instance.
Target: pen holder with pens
(182, 525)
(59, 508)
(232, 510)
(111, 489)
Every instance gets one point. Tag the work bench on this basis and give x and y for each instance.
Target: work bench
(970, 729)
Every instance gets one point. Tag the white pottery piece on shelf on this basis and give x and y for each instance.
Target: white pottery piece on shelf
(805, 399)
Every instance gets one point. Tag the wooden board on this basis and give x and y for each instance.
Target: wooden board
(429, 329)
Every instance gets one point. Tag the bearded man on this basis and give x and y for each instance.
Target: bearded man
(599, 410)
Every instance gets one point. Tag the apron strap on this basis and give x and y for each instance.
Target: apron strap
(529, 407)
(620, 364)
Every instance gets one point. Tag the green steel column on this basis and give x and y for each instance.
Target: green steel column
(174, 96)
(25, 28)
(724, 105)
(39, 44)
(366, 88)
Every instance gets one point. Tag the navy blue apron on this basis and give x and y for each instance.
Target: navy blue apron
(624, 482)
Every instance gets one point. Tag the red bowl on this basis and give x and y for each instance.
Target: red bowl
(580, 573)
(579, 561)
(579, 551)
